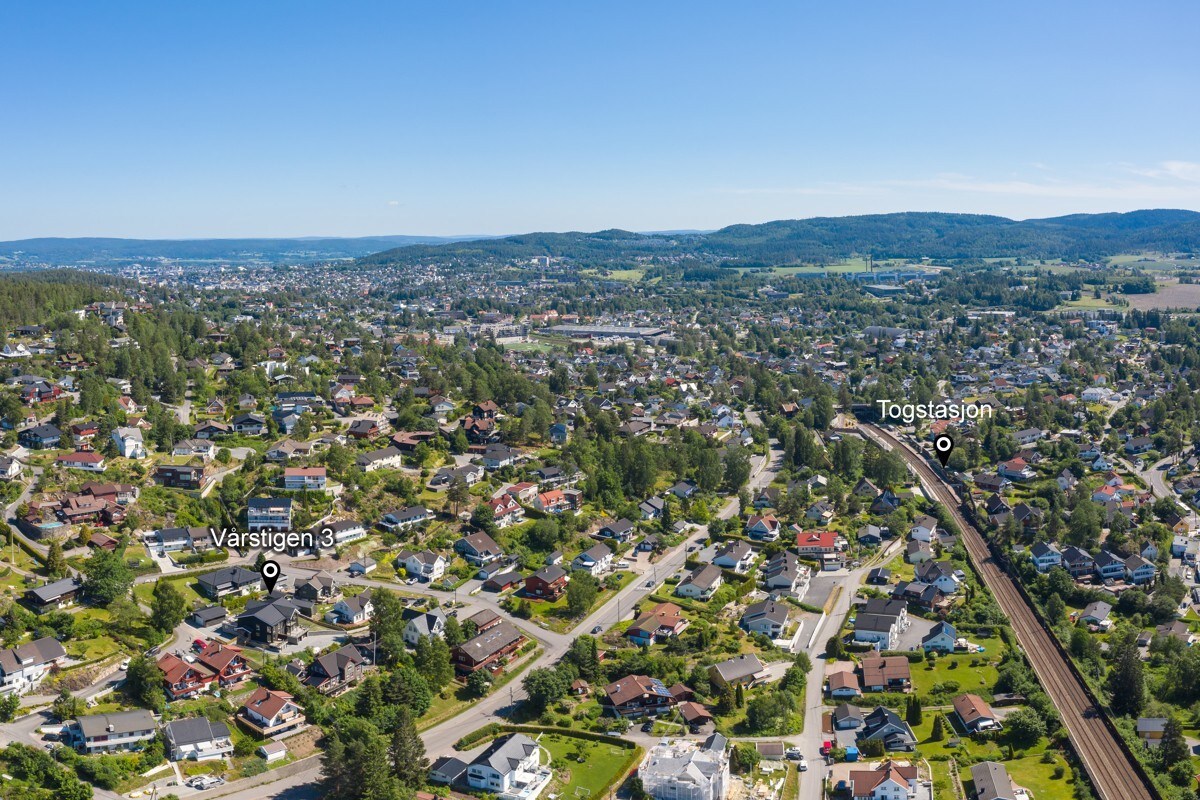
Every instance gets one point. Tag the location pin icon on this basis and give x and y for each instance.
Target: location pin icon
(270, 574)
(943, 445)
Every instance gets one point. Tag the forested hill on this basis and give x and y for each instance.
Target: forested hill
(825, 239)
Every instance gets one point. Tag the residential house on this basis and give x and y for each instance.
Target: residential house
(658, 624)
(271, 622)
(129, 442)
(1045, 556)
(107, 733)
(637, 696)
(941, 637)
(405, 518)
(745, 670)
(269, 514)
(424, 565)
(735, 555)
(423, 623)
(596, 560)
(510, 768)
(228, 581)
(885, 673)
(763, 528)
(687, 770)
(310, 479)
(506, 510)
(884, 781)
(974, 714)
(334, 673)
(197, 739)
(701, 583)
(991, 780)
(487, 649)
(766, 617)
(25, 666)
(548, 583)
(478, 548)
(356, 610)
(53, 595)
(621, 530)
(270, 713)
(886, 726)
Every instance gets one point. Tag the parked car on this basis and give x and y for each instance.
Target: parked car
(802, 765)
(647, 727)
(597, 629)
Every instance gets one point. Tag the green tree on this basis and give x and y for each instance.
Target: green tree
(9, 704)
(1024, 727)
(66, 706)
(939, 729)
(56, 563)
(167, 608)
(458, 493)
(432, 660)
(407, 752)
(479, 683)
(543, 686)
(143, 683)
(581, 593)
(1127, 683)
(108, 577)
(356, 764)
(1173, 749)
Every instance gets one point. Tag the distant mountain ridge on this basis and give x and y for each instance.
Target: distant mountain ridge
(824, 239)
(814, 240)
(68, 250)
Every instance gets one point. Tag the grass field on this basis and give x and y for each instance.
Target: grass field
(957, 669)
(582, 765)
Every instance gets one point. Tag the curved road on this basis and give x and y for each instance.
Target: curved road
(1105, 758)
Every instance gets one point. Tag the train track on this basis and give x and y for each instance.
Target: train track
(1114, 772)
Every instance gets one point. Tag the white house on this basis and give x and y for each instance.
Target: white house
(923, 528)
(424, 565)
(597, 559)
(701, 583)
(129, 442)
(510, 768)
(685, 770)
(355, 610)
(24, 667)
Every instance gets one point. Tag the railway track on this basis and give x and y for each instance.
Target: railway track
(1114, 772)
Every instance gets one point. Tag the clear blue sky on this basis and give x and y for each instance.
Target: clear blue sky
(280, 119)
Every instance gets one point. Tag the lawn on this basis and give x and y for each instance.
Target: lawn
(582, 765)
(957, 669)
(144, 592)
(1030, 773)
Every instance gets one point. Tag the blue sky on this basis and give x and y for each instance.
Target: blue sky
(296, 119)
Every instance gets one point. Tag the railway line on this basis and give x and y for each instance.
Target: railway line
(1114, 772)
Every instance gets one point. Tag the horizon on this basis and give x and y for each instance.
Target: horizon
(474, 236)
(276, 121)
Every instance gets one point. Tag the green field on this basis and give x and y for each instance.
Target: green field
(582, 764)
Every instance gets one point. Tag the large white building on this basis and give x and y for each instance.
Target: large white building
(510, 769)
(683, 770)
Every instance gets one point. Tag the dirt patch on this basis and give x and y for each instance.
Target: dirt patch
(1171, 294)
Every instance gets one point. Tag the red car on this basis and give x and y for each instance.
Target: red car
(199, 644)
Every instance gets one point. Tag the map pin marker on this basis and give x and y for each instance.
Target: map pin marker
(943, 445)
(270, 574)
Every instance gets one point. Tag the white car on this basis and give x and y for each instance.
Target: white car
(802, 765)
(125, 664)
